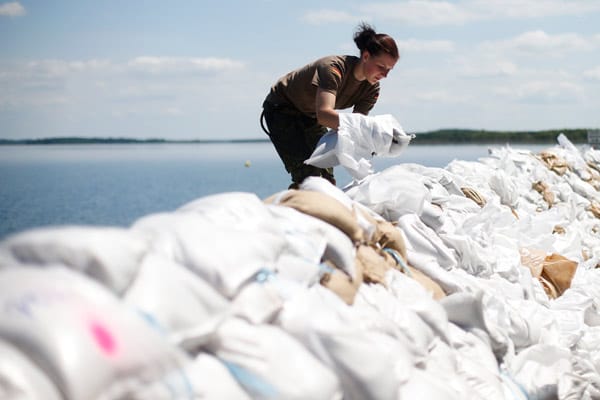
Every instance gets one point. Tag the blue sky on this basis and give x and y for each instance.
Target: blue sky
(200, 70)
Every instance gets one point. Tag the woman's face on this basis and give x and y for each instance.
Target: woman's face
(377, 67)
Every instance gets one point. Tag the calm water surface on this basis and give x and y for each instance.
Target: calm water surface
(117, 184)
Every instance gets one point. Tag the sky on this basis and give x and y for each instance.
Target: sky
(201, 69)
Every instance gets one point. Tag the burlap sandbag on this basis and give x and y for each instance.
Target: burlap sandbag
(341, 284)
(543, 189)
(559, 271)
(374, 263)
(386, 234)
(321, 206)
(594, 208)
(554, 162)
(429, 284)
(473, 195)
(533, 259)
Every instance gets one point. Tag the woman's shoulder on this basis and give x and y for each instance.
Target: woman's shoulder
(337, 59)
(341, 63)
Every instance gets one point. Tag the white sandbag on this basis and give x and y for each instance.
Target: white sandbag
(422, 240)
(224, 256)
(243, 209)
(582, 188)
(314, 240)
(110, 255)
(369, 365)
(355, 142)
(415, 297)
(569, 310)
(475, 175)
(425, 385)
(444, 364)
(484, 243)
(391, 193)
(204, 378)
(322, 185)
(476, 364)
(582, 383)
(260, 301)
(505, 188)
(270, 364)
(539, 368)
(172, 296)
(574, 158)
(20, 378)
(468, 311)
(379, 310)
(78, 332)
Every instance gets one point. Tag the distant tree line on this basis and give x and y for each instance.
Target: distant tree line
(465, 136)
(442, 136)
(98, 140)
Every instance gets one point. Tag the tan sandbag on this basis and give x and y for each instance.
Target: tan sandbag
(391, 237)
(324, 207)
(374, 263)
(595, 209)
(341, 284)
(423, 279)
(386, 234)
(473, 195)
(554, 162)
(559, 271)
(549, 288)
(533, 259)
(429, 284)
(543, 189)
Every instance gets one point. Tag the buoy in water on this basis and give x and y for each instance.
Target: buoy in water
(247, 163)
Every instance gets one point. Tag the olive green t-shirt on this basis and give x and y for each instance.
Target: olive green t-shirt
(333, 74)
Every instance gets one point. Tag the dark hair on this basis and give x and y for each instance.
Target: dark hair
(375, 43)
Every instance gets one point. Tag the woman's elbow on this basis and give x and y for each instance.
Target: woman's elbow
(328, 118)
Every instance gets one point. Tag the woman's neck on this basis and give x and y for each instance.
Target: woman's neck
(359, 71)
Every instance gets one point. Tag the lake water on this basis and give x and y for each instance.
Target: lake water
(44, 185)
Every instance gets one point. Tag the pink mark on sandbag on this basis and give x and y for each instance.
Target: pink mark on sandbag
(104, 338)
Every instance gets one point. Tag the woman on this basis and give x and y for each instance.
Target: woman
(302, 104)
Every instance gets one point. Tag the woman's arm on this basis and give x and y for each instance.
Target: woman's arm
(326, 114)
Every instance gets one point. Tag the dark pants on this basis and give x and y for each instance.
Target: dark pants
(295, 137)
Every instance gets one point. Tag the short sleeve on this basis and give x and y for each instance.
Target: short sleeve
(328, 77)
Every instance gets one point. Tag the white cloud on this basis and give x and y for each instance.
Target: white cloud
(426, 45)
(543, 92)
(328, 16)
(74, 82)
(593, 73)
(539, 42)
(430, 12)
(173, 111)
(530, 8)
(419, 12)
(440, 96)
(12, 9)
(157, 65)
(54, 69)
(62, 68)
(482, 68)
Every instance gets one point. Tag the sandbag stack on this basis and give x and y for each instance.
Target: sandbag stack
(462, 282)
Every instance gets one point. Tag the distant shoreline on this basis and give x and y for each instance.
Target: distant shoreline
(442, 136)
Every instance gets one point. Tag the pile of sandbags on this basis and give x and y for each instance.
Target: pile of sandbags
(454, 283)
